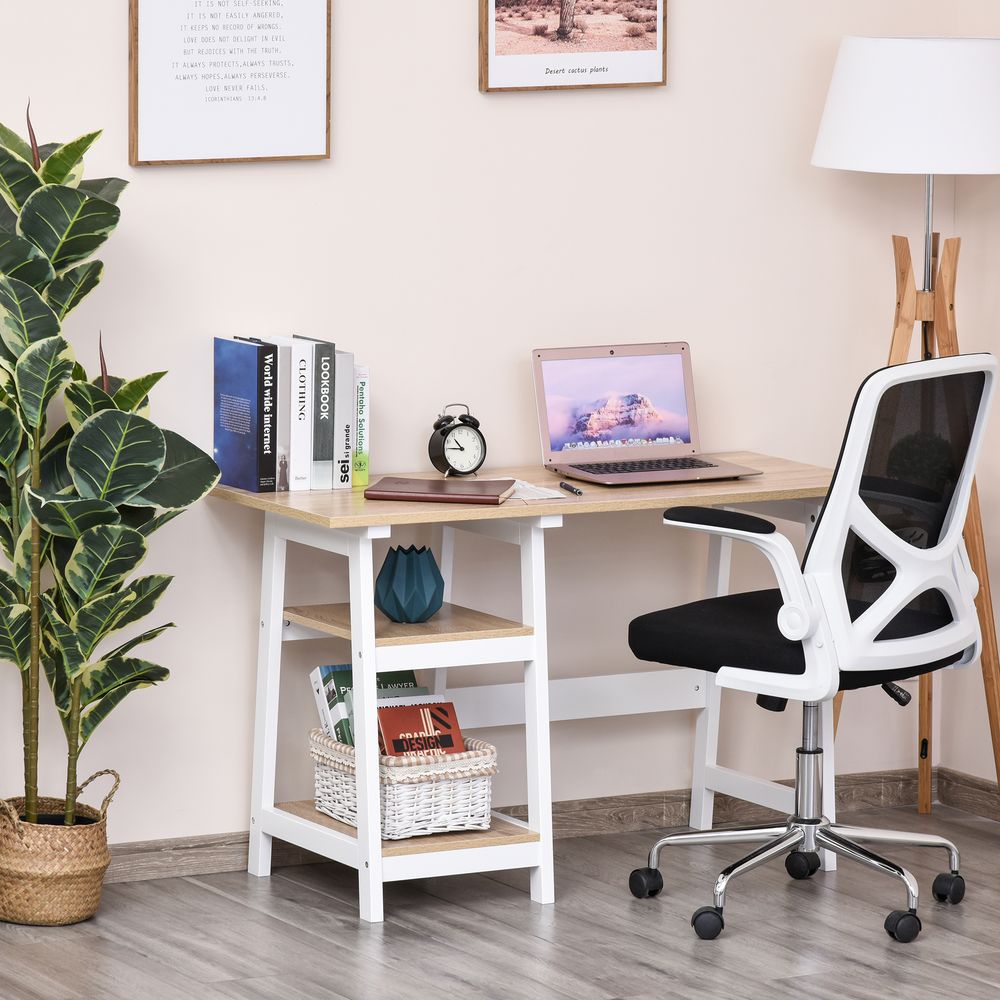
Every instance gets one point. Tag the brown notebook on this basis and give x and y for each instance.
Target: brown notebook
(492, 491)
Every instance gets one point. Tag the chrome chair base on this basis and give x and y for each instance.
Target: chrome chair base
(800, 840)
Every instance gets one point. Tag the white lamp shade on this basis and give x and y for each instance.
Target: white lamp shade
(913, 106)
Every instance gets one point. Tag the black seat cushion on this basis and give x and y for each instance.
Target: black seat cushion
(741, 630)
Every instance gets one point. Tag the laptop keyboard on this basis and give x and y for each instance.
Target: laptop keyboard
(647, 465)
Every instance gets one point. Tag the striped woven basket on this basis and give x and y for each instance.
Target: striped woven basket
(51, 875)
(418, 795)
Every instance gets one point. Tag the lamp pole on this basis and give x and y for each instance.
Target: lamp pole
(925, 332)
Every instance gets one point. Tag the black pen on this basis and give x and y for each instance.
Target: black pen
(571, 489)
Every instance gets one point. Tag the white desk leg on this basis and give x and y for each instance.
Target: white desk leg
(536, 709)
(265, 745)
(706, 730)
(366, 729)
(447, 571)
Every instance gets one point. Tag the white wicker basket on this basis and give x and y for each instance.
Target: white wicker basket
(418, 795)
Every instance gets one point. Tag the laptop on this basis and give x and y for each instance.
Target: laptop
(623, 415)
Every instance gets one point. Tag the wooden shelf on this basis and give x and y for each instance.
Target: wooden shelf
(501, 834)
(452, 623)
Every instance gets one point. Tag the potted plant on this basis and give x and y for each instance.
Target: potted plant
(79, 500)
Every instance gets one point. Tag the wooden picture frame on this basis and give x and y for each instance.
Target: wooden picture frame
(156, 152)
(606, 47)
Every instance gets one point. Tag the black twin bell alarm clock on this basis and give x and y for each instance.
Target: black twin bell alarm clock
(457, 446)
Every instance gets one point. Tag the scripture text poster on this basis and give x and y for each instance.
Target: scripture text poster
(230, 79)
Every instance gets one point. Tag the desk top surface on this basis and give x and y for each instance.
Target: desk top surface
(781, 480)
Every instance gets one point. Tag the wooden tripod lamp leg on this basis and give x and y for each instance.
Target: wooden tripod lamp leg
(947, 342)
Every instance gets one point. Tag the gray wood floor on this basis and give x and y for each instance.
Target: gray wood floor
(296, 935)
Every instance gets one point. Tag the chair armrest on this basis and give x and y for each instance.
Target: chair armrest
(713, 517)
(798, 617)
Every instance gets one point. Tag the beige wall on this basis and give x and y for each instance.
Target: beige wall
(451, 233)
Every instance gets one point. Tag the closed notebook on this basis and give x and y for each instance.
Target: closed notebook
(486, 491)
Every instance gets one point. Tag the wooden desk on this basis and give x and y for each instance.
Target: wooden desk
(344, 523)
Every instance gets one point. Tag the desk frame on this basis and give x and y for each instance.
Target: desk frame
(526, 703)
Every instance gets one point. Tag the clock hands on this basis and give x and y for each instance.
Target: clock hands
(457, 446)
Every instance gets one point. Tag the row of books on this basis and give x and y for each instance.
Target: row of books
(291, 413)
(411, 722)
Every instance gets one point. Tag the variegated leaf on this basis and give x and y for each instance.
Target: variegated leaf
(10, 593)
(25, 317)
(63, 639)
(15, 634)
(102, 558)
(60, 163)
(105, 188)
(147, 519)
(132, 395)
(41, 371)
(54, 471)
(11, 435)
(187, 475)
(115, 455)
(18, 180)
(148, 590)
(98, 618)
(10, 139)
(21, 259)
(83, 400)
(67, 291)
(139, 640)
(70, 516)
(100, 710)
(66, 224)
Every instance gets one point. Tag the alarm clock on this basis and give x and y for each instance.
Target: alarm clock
(457, 446)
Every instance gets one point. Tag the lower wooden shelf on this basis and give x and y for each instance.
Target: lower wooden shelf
(501, 834)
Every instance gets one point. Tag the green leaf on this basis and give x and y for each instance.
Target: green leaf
(21, 259)
(67, 225)
(41, 371)
(22, 557)
(131, 395)
(146, 519)
(114, 383)
(63, 639)
(115, 455)
(108, 703)
(106, 188)
(25, 317)
(139, 640)
(67, 291)
(13, 142)
(102, 558)
(15, 634)
(54, 472)
(10, 593)
(18, 180)
(70, 516)
(148, 590)
(60, 164)
(100, 617)
(8, 219)
(187, 475)
(11, 434)
(99, 679)
(83, 400)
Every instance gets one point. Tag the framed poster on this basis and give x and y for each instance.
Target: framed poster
(562, 44)
(214, 81)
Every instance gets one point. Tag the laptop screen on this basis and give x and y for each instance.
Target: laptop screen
(627, 401)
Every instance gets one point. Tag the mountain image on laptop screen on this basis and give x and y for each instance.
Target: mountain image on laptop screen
(618, 402)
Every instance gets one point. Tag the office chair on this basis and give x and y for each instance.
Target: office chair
(885, 592)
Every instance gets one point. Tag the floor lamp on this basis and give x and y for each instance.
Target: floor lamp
(923, 106)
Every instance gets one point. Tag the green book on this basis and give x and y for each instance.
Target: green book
(332, 686)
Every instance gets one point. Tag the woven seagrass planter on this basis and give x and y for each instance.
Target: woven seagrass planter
(51, 875)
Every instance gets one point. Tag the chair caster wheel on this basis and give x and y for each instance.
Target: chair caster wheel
(949, 888)
(707, 922)
(802, 864)
(645, 883)
(903, 926)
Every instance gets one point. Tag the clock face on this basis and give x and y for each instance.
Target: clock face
(463, 449)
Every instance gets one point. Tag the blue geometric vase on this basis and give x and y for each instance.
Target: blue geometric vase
(409, 587)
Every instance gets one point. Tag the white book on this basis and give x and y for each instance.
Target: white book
(326, 720)
(323, 430)
(344, 411)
